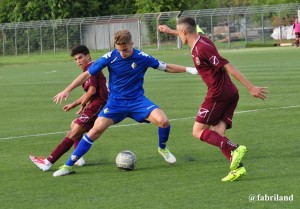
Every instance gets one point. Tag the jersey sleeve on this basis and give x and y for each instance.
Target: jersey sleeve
(99, 64)
(92, 81)
(212, 56)
(148, 60)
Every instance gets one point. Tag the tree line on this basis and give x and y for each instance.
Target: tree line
(32, 10)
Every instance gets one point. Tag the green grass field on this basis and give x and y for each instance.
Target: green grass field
(32, 124)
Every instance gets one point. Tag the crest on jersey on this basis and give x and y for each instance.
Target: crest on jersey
(197, 60)
(133, 65)
(203, 112)
(214, 60)
(106, 110)
(83, 118)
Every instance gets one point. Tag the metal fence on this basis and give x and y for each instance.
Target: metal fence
(229, 27)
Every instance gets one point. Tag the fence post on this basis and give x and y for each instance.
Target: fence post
(80, 32)
(109, 35)
(246, 28)
(28, 45)
(228, 23)
(212, 25)
(263, 26)
(139, 32)
(157, 31)
(179, 43)
(16, 47)
(67, 29)
(94, 27)
(4, 39)
(41, 38)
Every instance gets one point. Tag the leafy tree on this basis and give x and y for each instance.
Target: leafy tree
(30, 10)
(150, 6)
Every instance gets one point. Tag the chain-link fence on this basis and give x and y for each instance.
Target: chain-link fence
(242, 26)
(228, 27)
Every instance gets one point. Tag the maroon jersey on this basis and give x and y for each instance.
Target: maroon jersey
(99, 82)
(210, 64)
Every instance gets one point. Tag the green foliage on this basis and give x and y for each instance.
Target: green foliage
(31, 10)
(149, 6)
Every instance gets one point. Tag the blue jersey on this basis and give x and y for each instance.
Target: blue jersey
(126, 76)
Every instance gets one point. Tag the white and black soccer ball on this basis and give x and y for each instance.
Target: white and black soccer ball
(126, 160)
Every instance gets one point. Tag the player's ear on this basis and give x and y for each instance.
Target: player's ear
(88, 56)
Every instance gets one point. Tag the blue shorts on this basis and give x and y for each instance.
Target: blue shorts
(138, 109)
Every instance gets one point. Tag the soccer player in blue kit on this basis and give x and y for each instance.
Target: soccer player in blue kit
(127, 67)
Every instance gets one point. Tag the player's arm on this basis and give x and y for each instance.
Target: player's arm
(82, 101)
(65, 93)
(255, 91)
(166, 29)
(172, 68)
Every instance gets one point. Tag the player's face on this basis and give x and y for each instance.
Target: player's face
(125, 50)
(82, 60)
(181, 33)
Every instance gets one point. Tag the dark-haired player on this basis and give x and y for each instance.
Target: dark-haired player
(216, 112)
(91, 102)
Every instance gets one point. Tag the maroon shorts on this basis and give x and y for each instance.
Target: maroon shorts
(87, 118)
(211, 113)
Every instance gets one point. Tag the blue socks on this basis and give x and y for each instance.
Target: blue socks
(82, 148)
(163, 136)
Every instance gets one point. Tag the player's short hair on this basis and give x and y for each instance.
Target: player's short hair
(123, 37)
(81, 49)
(189, 23)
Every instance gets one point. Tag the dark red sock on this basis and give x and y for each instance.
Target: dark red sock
(61, 149)
(76, 142)
(213, 138)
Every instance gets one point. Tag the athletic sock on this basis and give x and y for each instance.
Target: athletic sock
(82, 148)
(163, 136)
(76, 142)
(213, 138)
(61, 149)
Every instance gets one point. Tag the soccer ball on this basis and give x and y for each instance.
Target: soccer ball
(126, 160)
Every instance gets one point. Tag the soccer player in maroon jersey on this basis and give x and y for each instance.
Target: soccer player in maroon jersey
(216, 112)
(91, 102)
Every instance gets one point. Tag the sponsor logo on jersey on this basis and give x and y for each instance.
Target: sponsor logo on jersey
(133, 65)
(214, 60)
(83, 118)
(203, 112)
(114, 60)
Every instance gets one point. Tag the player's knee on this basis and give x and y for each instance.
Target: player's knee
(95, 133)
(164, 123)
(197, 133)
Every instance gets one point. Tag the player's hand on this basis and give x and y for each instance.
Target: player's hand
(82, 107)
(164, 29)
(68, 107)
(60, 96)
(259, 92)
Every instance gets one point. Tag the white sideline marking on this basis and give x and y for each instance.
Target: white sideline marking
(134, 124)
(53, 71)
